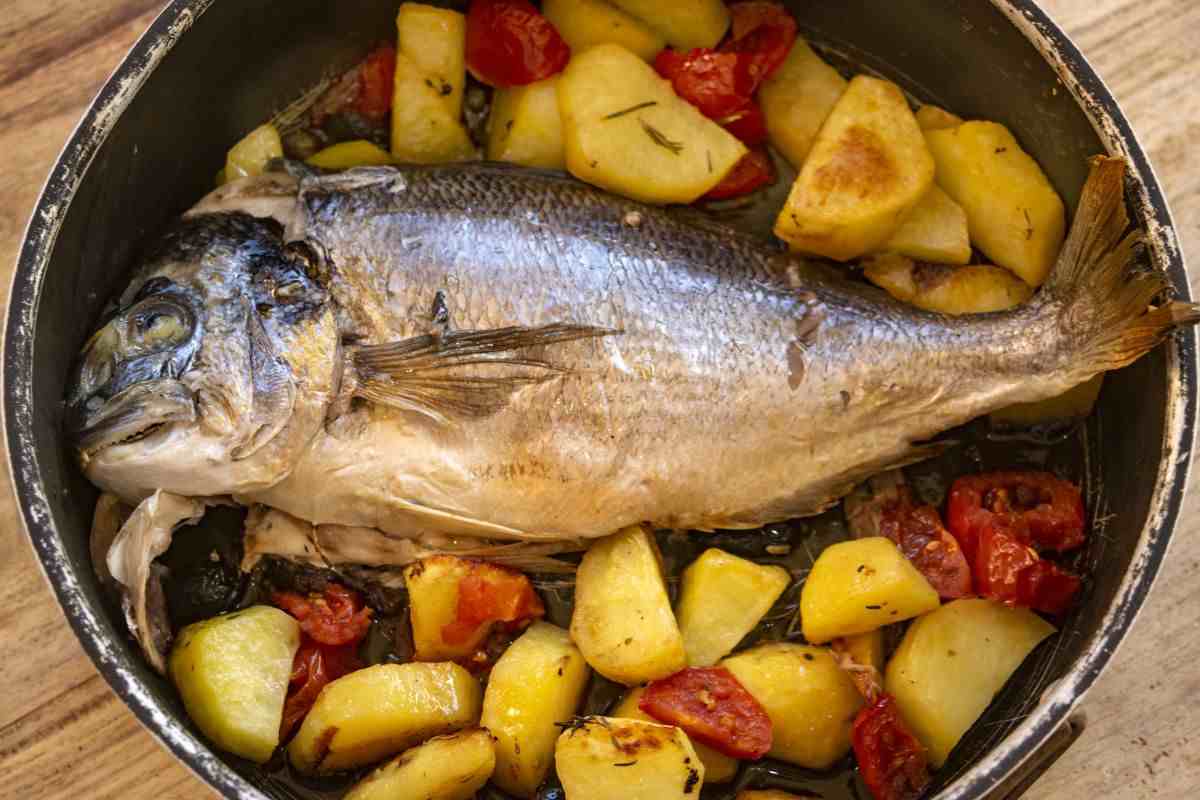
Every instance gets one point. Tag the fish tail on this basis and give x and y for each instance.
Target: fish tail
(1113, 311)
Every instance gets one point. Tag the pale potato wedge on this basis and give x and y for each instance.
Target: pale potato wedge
(435, 39)
(232, 674)
(604, 758)
(683, 23)
(583, 23)
(379, 711)
(249, 157)
(810, 700)
(935, 231)
(534, 688)
(797, 99)
(932, 118)
(1072, 405)
(866, 648)
(525, 127)
(622, 620)
(450, 767)
(625, 130)
(423, 129)
(951, 664)
(861, 585)
(721, 599)
(867, 169)
(1014, 215)
(346, 155)
(718, 767)
(970, 289)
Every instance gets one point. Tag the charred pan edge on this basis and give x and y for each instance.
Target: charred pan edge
(116, 663)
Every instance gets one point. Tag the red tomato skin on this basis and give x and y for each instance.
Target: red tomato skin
(509, 43)
(314, 666)
(712, 707)
(920, 535)
(1013, 573)
(492, 594)
(375, 79)
(1047, 588)
(763, 32)
(890, 759)
(751, 173)
(748, 124)
(336, 617)
(716, 83)
(1037, 508)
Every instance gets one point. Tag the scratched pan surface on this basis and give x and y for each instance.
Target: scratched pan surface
(206, 72)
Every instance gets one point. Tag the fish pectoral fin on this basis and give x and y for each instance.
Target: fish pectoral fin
(463, 374)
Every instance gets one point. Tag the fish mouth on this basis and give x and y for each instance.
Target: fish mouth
(132, 415)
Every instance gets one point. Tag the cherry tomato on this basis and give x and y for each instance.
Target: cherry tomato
(920, 535)
(335, 617)
(1036, 508)
(763, 33)
(748, 124)
(509, 43)
(1047, 587)
(315, 666)
(749, 174)
(375, 78)
(711, 706)
(891, 760)
(719, 84)
(492, 594)
(1013, 573)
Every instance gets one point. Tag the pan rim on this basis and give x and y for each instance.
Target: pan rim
(119, 670)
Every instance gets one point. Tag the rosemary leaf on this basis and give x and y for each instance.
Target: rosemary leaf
(631, 109)
(657, 137)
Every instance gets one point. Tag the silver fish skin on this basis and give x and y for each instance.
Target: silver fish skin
(719, 382)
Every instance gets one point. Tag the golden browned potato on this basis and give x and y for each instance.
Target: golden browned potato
(424, 131)
(951, 664)
(534, 688)
(435, 39)
(249, 157)
(432, 585)
(625, 130)
(970, 289)
(935, 230)
(861, 585)
(718, 767)
(932, 118)
(232, 674)
(810, 700)
(583, 23)
(1014, 215)
(797, 99)
(683, 23)
(721, 599)
(622, 620)
(379, 711)
(603, 758)
(867, 169)
(346, 155)
(866, 648)
(525, 127)
(452, 767)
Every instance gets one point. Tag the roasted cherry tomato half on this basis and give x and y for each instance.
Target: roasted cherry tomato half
(891, 760)
(375, 78)
(763, 33)
(1046, 587)
(1035, 508)
(315, 666)
(1013, 573)
(335, 617)
(711, 706)
(492, 595)
(718, 84)
(920, 535)
(509, 43)
(748, 124)
(751, 173)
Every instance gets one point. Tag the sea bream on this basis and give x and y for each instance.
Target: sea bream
(473, 352)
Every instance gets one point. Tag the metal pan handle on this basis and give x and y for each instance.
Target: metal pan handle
(1024, 776)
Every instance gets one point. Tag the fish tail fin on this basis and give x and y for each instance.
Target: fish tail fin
(1114, 311)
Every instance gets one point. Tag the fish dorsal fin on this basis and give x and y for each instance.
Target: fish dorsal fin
(463, 374)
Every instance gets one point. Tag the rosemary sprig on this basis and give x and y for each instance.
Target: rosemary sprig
(631, 109)
(659, 139)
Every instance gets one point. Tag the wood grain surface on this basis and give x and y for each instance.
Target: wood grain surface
(63, 734)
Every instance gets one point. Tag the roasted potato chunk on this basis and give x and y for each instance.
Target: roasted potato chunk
(970, 289)
(232, 674)
(423, 129)
(718, 767)
(1014, 215)
(525, 127)
(379, 711)
(346, 155)
(450, 767)
(602, 758)
(683, 23)
(867, 169)
(583, 23)
(534, 688)
(797, 99)
(625, 130)
(810, 700)
(721, 599)
(951, 664)
(935, 231)
(933, 118)
(861, 585)
(622, 621)
(250, 156)
(866, 648)
(435, 40)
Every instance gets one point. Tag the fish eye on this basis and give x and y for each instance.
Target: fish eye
(156, 285)
(158, 325)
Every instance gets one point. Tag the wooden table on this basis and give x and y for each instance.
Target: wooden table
(63, 734)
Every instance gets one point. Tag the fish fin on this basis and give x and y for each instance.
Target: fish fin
(1104, 300)
(462, 374)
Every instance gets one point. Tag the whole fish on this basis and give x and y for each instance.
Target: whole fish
(484, 352)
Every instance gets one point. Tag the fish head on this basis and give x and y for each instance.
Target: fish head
(213, 369)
